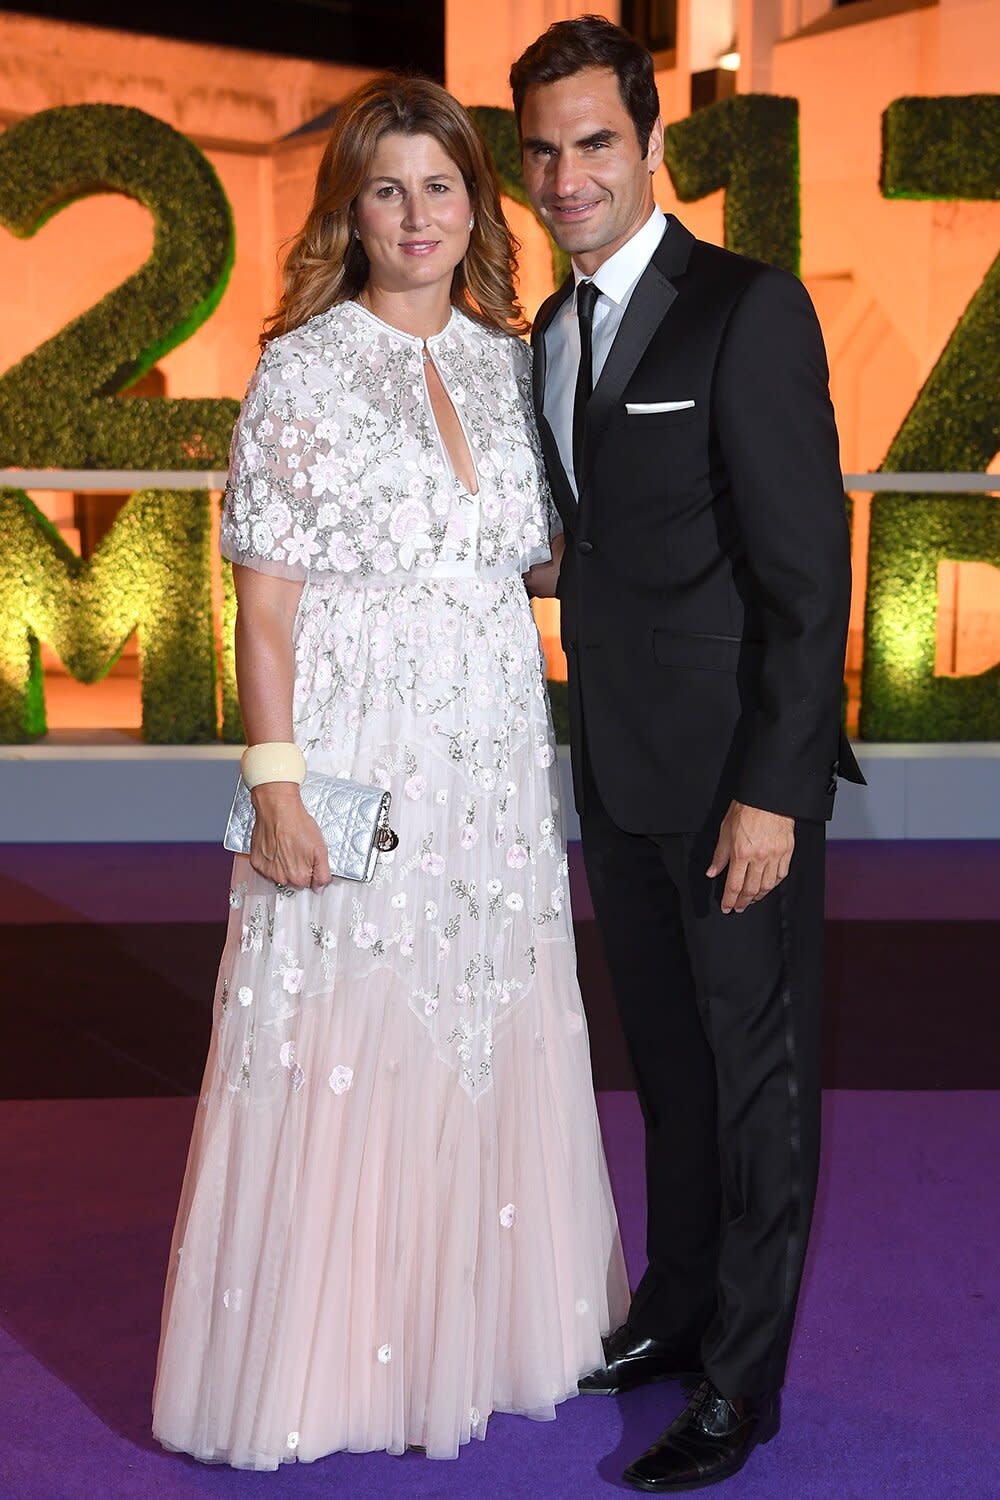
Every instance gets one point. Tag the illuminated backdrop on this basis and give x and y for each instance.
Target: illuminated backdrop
(58, 404)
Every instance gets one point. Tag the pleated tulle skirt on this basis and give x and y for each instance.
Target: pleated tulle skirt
(383, 1260)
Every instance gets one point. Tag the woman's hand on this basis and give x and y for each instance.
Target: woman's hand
(286, 845)
(541, 580)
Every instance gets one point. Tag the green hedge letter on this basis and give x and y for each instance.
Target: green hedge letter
(749, 146)
(152, 571)
(57, 405)
(947, 149)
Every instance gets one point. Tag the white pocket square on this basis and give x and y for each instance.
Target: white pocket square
(645, 408)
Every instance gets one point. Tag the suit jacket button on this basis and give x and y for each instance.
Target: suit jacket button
(585, 547)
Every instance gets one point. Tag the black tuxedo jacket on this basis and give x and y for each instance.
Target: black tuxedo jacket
(706, 584)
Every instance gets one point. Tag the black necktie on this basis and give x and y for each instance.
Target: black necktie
(586, 297)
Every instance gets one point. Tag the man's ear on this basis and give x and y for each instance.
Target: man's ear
(654, 150)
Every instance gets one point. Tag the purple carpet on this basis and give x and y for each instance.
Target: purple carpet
(892, 1388)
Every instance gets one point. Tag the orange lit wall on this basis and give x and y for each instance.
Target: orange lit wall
(889, 279)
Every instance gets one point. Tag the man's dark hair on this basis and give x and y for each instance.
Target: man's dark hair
(568, 47)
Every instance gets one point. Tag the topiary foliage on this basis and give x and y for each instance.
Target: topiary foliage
(946, 147)
(903, 699)
(749, 146)
(57, 406)
(498, 128)
(233, 732)
(936, 148)
(152, 570)
(954, 424)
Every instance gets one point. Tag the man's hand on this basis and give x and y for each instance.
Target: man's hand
(757, 846)
(541, 580)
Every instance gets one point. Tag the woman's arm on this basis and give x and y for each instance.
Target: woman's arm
(286, 845)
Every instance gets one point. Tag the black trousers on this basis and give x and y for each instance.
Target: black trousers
(721, 1015)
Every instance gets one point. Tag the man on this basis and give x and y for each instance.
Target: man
(683, 403)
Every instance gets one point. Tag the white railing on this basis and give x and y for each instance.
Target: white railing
(113, 479)
(215, 479)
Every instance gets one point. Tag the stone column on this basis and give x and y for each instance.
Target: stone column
(759, 25)
(483, 37)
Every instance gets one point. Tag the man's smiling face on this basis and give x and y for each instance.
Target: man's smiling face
(584, 168)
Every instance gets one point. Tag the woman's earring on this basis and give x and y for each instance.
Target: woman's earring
(356, 232)
(472, 224)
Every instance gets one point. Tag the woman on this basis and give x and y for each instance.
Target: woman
(396, 1215)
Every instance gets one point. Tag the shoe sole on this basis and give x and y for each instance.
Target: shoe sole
(701, 1484)
(684, 1378)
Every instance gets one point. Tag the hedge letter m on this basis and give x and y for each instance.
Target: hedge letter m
(151, 572)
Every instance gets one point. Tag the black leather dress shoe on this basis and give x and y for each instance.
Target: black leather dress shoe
(630, 1360)
(710, 1441)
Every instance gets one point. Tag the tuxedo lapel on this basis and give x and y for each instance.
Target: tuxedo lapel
(562, 489)
(648, 306)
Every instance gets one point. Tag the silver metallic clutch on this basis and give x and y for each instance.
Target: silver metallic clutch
(352, 817)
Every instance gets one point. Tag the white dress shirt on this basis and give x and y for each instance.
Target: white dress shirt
(616, 281)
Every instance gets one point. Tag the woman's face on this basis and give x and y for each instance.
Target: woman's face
(413, 213)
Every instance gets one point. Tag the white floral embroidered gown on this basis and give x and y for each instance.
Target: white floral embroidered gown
(396, 1215)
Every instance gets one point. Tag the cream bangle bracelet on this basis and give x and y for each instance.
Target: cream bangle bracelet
(276, 760)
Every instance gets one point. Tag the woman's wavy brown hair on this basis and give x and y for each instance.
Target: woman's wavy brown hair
(327, 264)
